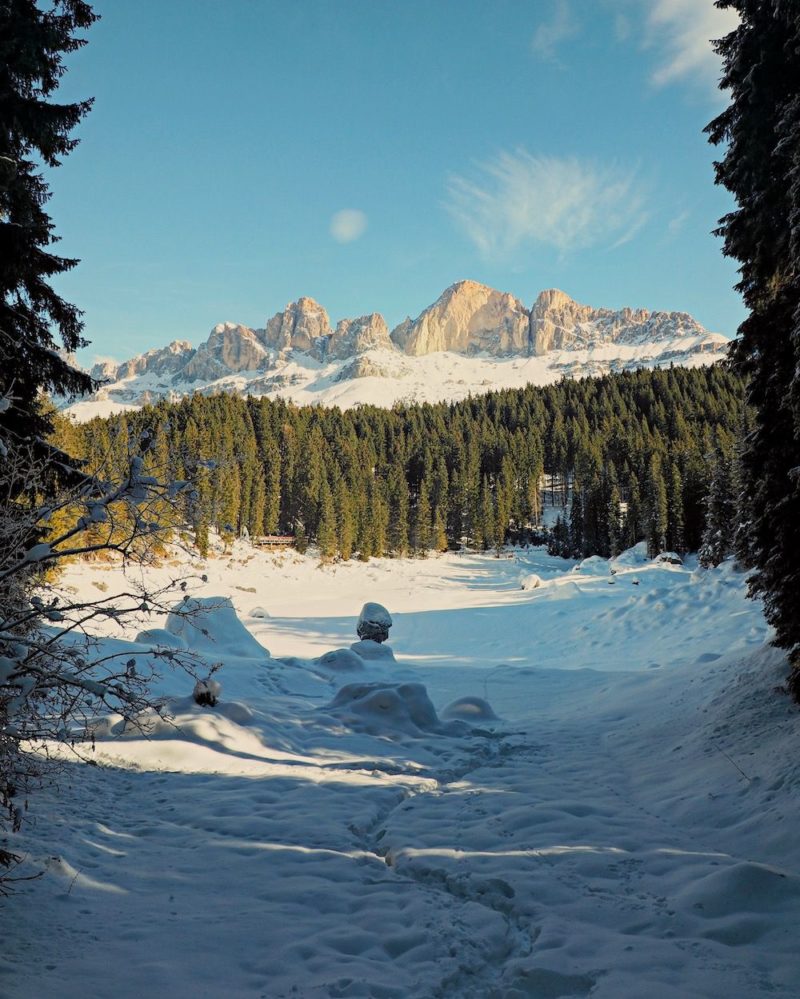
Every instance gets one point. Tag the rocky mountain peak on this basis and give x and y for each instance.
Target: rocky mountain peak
(299, 355)
(298, 327)
(467, 318)
(230, 347)
(355, 336)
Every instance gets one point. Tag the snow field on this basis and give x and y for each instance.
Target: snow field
(581, 789)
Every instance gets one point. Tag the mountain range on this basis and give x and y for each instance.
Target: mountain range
(472, 339)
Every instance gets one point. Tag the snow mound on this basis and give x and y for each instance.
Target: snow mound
(237, 712)
(160, 638)
(210, 625)
(633, 556)
(593, 566)
(368, 649)
(340, 659)
(379, 708)
(259, 612)
(469, 709)
(529, 581)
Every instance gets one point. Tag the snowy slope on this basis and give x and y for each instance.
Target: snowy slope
(624, 827)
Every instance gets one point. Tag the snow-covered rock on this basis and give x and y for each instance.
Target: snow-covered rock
(374, 622)
(207, 692)
(386, 708)
(469, 709)
(529, 581)
(668, 558)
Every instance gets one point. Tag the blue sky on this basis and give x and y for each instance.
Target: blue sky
(369, 153)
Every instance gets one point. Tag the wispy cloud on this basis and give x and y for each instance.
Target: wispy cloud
(678, 223)
(348, 225)
(560, 27)
(518, 199)
(683, 30)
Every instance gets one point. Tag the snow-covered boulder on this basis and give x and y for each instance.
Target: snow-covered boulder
(371, 650)
(469, 709)
(379, 708)
(160, 638)
(206, 692)
(259, 612)
(374, 622)
(668, 558)
(209, 625)
(341, 659)
(529, 581)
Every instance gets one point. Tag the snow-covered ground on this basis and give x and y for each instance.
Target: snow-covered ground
(586, 787)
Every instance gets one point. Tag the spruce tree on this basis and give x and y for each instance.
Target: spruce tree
(760, 131)
(327, 535)
(423, 525)
(35, 130)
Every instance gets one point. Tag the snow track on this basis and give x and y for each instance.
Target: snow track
(624, 830)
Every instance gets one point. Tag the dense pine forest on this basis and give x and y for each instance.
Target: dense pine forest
(645, 454)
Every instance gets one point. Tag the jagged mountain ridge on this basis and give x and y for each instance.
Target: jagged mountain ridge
(471, 339)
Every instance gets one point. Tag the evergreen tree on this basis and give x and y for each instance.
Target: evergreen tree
(675, 517)
(35, 131)
(345, 517)
(720, 529)
(657, 509)
(761, 168)
(327, 537)
(423, 525)
(439, 531)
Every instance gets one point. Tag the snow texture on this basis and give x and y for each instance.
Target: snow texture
(579, 790)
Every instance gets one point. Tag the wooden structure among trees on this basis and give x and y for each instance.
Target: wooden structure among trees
(274, 541)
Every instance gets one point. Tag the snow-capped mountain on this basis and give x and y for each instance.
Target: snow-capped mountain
(471, 339)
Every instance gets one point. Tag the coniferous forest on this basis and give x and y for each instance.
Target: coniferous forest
(631, 456)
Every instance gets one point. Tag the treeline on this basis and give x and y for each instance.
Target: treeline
(632, 455)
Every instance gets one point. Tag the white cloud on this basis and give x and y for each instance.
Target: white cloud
(682, 30)
(550, 34)
(569, 204)
(676, 224)
(348, 225)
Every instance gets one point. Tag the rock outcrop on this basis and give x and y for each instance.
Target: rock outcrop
(230, 348)
(303, 325)
(355, 336)
(558, 322)
(162, 361)
(468, 318)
